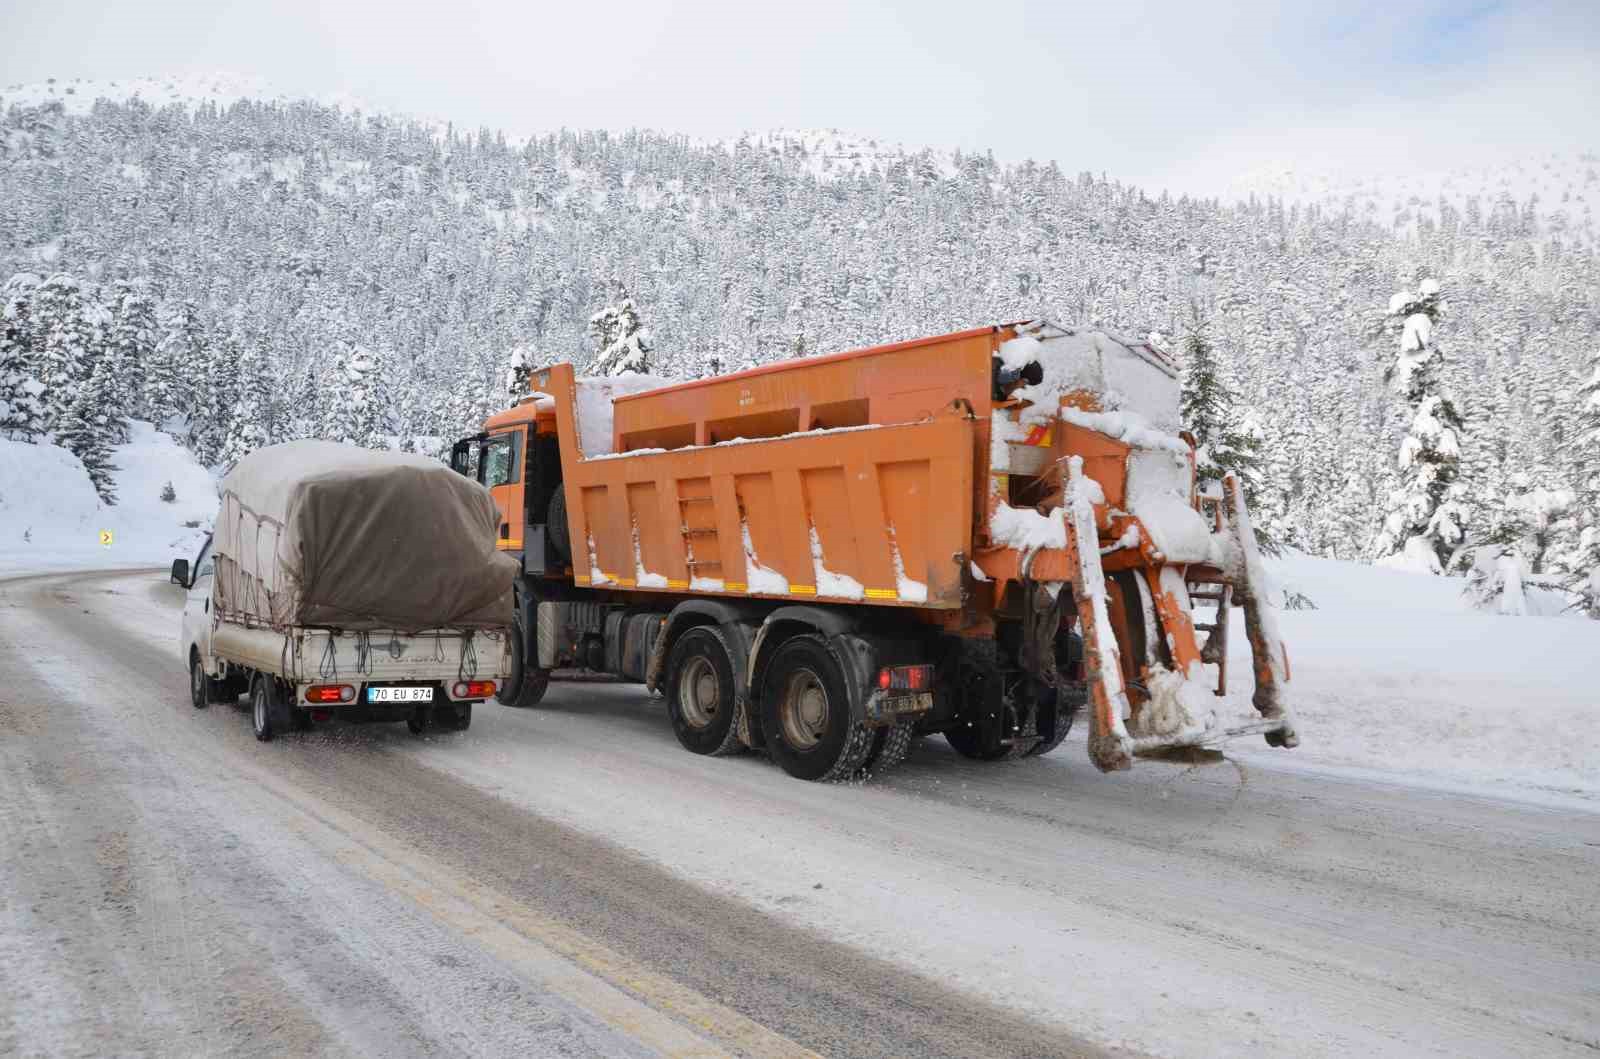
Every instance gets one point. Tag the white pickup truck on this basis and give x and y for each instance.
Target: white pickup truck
(351, 584)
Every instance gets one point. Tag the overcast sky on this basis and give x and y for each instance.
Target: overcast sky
(1179, 95)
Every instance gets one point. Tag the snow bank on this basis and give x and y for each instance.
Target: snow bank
(51, 518)
(1397, 672)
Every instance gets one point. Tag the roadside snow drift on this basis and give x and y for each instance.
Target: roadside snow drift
(1397, 672)
(50, 517)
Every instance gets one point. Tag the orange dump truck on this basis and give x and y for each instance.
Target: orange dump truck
(976, 534)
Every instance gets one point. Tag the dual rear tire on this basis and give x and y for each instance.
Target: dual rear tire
(806, 715)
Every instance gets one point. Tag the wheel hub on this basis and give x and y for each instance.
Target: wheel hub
(699, 693)
(805, 710)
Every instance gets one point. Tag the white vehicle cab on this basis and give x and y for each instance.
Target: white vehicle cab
(350, 583)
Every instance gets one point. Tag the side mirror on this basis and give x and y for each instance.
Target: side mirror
(180, 572)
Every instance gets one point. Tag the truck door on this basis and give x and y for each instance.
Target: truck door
(500, 468)
(198, 619)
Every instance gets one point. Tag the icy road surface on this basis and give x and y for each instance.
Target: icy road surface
(568, 881)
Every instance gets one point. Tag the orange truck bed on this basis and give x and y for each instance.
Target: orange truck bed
(1012, 532)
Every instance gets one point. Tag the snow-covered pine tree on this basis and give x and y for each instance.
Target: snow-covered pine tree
(1582, 565)
(301, 411)
(1520, 545)
(131, 343)
(84, 429)
(1223, 440)
(21, 410)
(622, 338)
(211, 411)
(520, 365)
(178, 366)
(1426, 523)
(356, 402)
(67, 343)
(250, 425)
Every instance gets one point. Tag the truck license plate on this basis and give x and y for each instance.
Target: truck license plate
(399, 694)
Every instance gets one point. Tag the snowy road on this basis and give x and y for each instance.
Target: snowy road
(568, 881)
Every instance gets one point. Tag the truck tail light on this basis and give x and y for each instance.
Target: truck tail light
(472, 689)
(905, 678)
(329, 693)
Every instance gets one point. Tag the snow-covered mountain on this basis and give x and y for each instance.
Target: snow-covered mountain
(1561, 190)
(78, 95)
(287, 243)
(831, 154)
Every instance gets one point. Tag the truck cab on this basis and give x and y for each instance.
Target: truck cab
(517, 458)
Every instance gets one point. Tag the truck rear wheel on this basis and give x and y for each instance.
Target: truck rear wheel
(700, 692)
(889, 747)
(805, 713)
(1056, 713)
(267, 710)
(525, 685)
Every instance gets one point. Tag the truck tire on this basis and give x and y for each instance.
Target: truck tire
(889, 747)
(267, 709)
(203, 690)
(555, 525)
(1056, 717)
(199, 692)
(525, 686)
(805, 713)
(700, 692)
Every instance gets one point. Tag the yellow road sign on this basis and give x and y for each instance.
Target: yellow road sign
(105, 538)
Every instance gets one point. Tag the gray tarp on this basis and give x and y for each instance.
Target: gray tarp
(316, 533)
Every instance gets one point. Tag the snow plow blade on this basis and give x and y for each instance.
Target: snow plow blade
(1158, 718)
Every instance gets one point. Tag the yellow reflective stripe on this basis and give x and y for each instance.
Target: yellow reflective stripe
(625, 582)
(582, 579)
(676, 584)
(803, 590)
(734, 586)
(882, 593)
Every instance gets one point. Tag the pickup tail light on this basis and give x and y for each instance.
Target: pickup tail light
(330, 693)
(472, 689)
(905, 678)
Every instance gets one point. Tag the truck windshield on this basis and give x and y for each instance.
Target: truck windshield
(498, 459)
(205, 563)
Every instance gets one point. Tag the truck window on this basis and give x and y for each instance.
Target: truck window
(205, 564)
(498, 459)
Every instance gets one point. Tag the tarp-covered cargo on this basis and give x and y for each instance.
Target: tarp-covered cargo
(316, 533)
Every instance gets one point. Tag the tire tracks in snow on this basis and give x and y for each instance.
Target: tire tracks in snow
(619, 941)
